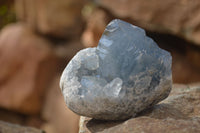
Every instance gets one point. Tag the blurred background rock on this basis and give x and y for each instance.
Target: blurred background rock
(38, 38)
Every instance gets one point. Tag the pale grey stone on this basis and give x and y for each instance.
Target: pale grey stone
(125, 74)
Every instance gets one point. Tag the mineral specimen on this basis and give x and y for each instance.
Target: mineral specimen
(126, 73)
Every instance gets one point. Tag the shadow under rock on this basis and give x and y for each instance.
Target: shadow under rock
(94, 125)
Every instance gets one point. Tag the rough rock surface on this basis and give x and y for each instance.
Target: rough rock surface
(26, 67)
(55, 18)
(179, 113)
(124, 75)
(179, 17)
(12, 128)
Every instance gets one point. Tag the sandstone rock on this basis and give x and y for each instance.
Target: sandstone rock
(180, 17)
(59, 119)
(27, 64)
(12, 128)
(112, 81)
(179, 113)
(186, 99)
(55, 18)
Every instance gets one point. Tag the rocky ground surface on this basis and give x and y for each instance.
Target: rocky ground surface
(179, 113)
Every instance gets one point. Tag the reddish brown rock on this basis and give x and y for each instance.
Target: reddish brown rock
(55, 18)
(185, 98)
(179, 113)
(12, 128)
(59, 118)
(179, 17)
(145, 125)
(27, 64)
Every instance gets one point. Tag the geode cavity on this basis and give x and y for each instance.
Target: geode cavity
(126, 73)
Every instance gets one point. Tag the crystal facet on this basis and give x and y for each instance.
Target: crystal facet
(126, 73)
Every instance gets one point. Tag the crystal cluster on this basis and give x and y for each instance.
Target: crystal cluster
(126, 73)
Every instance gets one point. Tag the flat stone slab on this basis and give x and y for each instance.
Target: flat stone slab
(179, 113)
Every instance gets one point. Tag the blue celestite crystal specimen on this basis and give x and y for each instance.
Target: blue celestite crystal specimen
(126, 73)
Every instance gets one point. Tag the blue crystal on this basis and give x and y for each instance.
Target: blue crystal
(126, 73)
